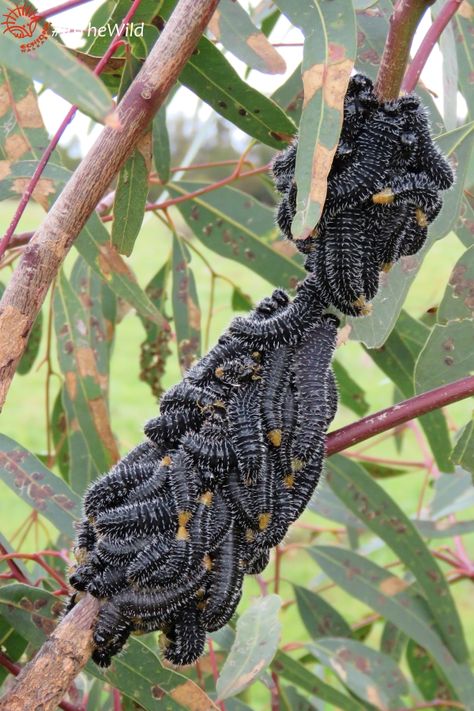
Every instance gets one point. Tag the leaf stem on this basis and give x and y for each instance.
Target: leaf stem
(433, 34)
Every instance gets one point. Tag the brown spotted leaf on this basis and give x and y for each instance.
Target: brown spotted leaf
(369, 502)
(186, 311)
(232, 26)
(328, 58)
(45, 492)
(81, 337)
(428, 675)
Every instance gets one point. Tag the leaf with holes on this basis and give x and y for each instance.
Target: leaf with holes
(372, 676)
(373, 330)
(368, 501)
(237, 226)
(186, 311)
(92, 445)
(45, 492)
(397, 601)
(232, 26)
(328, 57)
(255, 645)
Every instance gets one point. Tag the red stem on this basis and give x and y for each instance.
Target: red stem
(15, 570)
(57, 136)
(15, 669)
(57, 9)
(398, 414)
(413, 72)
(117, 700)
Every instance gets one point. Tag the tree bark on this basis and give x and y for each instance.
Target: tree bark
(48, 248)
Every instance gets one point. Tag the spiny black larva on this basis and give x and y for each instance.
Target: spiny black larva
(245, 429)
(275, 380)
(256, 562)
(81, 577)
(167, 429)
(119, 553)
(226, 348)
(185, 642)
(137, 519)
(332, 396)
(186, 396)
(306, 480)
(183, 480)
(147, 561)
(107, 583)
(240, 499)
(215, 452)
(111, 631)
(224, 589)
(86, 540)
(112, 489)
(221, 521)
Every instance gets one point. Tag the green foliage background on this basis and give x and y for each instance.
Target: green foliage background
(346, 616)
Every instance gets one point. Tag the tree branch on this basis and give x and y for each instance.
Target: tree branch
(48, 248)
(403, 23)
(398, 414)
(424, 50)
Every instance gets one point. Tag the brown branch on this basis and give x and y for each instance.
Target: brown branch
(48, 248)
(403, 23)
(42, 683)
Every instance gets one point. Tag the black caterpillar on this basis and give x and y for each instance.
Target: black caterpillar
(238, 449)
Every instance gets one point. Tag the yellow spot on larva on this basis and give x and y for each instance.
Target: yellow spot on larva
(297, 465)
(207, 562)
(421, 217)
(385, 197)
(219, 372)
(206, 498)
(81, 555)
(364, 308)
(182, 534)
(166, 461)
(256, 355)
(289, 481)
(387, 266)
(274, 437)
(184, 517)
(249, 535)
(264, 520)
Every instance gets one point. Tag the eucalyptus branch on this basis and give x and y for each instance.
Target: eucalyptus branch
(403, 24)
(47, 250)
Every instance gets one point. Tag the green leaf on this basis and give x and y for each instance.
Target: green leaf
(465, 52)
(209, 75)
(136, 672)
(237, 226)
(92, 445)
(373, 330)
(382, 471)
(290, 95)
(328, 58)
(448, 355)
(94, 245)
(395, 600)
(453, 493)
(59, 432)
(240, 301)
(293, 701)
(444, 528)
(32, 347)
(392, 641)
(318, 616)
(161, 145)
(465, 224)
(255, 645)
(463, 451)
(38, 487)
(21, 123)
(12, 644)
(326, 504)
(350, 392)
(372, 676)
(427, 675)
(458, 299)
(296, 673)
(130, 197)
(155, 350)
(186, 311)
(382, 515)
(54, 67)
(397, 358)
(232, 26)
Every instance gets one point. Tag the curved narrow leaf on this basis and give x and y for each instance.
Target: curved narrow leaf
(161, 145)
(12, 643)
(54, 67)
(237, 226)
(463, 451)
(326, 504)
(465, 51)
(372, 676)
(290, 95)
(328, 57)
(32, 347)
(453, 493)
(59, 433)
(255, 645)
(186, 311)
(458, 299)
(350, 392)
(447, 356)
(297, 674)
(38, 487)
(319, 617)
(397, 601)
(392, 641)
(381, 514)
(428, 676)
(92, 445)
(232, 26)
(137, 672)
(397, 358)
(374, 329)
(444, 528)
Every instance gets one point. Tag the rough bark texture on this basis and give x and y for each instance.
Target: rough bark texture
(47, 250)
(43, 682)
